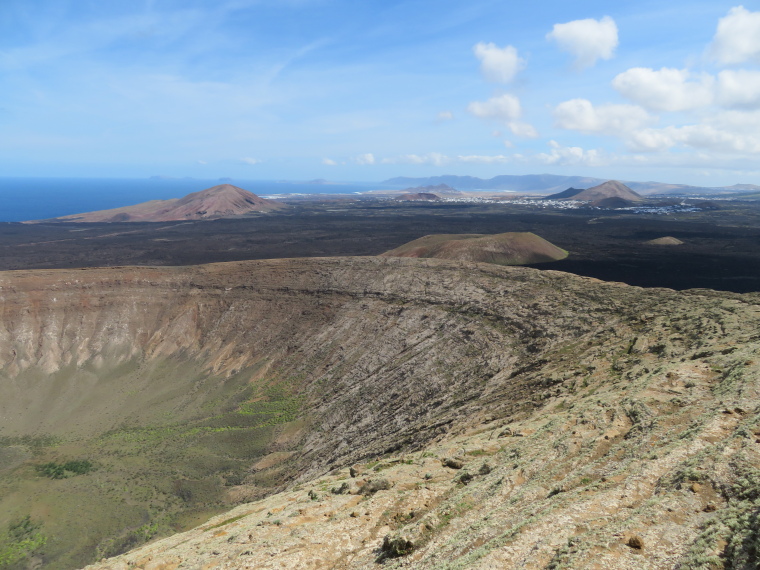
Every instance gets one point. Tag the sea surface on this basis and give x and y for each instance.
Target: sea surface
(24, 199)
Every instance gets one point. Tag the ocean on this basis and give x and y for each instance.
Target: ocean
(24, 199)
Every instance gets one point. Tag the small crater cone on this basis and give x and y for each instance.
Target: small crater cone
(511, 248)
(667, 240)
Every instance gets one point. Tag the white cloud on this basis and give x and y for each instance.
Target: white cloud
(521, 129)
(717, 140)
(587, 40)
(437, 159)
(364, 159)
(251, 161)
(736, 121)
(483, 159)
(700, 137)
(679, 90)
(570, 155)
(201, 162)
(665, 90)
(505, 109)
(434, 158)
(445, 116)
(650, 140)
(737, 38)
(581, 115)
(329, 162)
(739, 89)
(498, 65)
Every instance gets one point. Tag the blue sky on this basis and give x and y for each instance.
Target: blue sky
(347, 90)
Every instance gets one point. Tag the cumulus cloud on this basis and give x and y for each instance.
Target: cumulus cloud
(581, 115)
(700, 137)
(587, 40)
(364, 159)
(329, 162)
(521, 129)
(251, 161)
(504, 109)
(679, 90)
(570, 155)
(665, 90)
(737, 38)
(650, 140)
(739, 89)
(445, 116)
(737, 121)
(498, 65)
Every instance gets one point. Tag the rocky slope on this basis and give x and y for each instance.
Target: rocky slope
(222, 201)
(498, 417)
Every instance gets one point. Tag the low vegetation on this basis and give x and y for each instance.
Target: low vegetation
(19, 542)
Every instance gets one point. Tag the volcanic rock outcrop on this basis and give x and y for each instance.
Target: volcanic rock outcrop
(582, 414)
(222, 201)
(511, 248)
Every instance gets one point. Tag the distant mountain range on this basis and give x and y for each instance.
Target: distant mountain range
(553, 183)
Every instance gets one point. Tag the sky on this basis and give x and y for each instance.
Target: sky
(367, 90)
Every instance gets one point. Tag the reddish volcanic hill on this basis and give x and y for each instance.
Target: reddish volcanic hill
(610, 189)
(512, 248)
(221, 201)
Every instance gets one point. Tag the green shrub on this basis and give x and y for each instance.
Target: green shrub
(55, 470)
